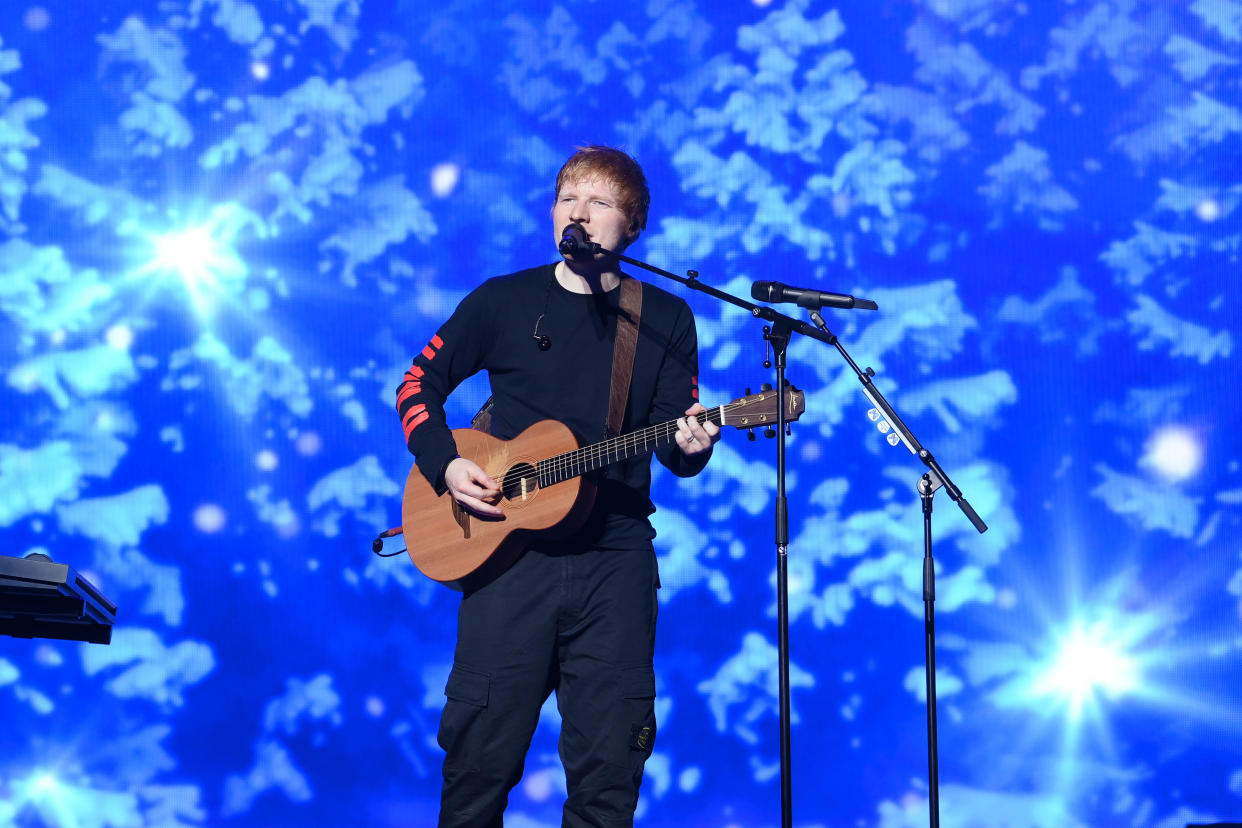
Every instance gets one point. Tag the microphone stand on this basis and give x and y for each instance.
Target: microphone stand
(782, 328)
(779, 333)
(933, 479)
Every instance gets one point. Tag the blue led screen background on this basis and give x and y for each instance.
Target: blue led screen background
(226, 227)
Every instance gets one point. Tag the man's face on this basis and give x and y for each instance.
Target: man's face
(594, 203)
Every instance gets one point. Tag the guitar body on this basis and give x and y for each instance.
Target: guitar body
(464, 551)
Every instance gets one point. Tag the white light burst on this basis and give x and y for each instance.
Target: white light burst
(194, 257)
(1174, 453)
(1208, 210)
(200, 257)
(1089, 662)
(444, 178)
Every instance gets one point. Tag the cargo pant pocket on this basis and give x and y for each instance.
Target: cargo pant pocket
(468, 692)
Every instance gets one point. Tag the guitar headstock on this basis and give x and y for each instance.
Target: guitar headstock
(755, 410)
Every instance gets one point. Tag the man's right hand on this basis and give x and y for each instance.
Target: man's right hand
(471, 487)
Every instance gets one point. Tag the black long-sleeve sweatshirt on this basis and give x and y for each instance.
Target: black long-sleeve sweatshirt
(493, 329)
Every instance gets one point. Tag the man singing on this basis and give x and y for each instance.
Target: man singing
(575, 614)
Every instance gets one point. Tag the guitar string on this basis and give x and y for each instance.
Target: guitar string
(573, 463)
(551, 469)
(580, 460)
(585, 458)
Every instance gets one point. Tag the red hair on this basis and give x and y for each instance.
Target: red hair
(612, 165)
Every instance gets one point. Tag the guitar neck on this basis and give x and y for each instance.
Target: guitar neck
(635, 444)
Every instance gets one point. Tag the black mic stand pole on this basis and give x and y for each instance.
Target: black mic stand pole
(933, 479)
(779, 334)
(926, 490)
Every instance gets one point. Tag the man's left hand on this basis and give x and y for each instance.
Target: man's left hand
(694, 437)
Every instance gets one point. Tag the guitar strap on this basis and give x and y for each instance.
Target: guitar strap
(625, 343)
(482, 420)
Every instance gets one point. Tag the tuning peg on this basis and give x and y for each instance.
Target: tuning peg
(767, 386)
(750, 435)
(788, 430)
(769, 432)
(747, 391)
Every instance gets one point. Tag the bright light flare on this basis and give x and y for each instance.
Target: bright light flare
(1088, 663)
(1175, 453)
(1208, 210)
(444, 178)
(200, 257)
(189, 255)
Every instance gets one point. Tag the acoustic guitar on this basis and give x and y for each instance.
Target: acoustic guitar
(544, 488)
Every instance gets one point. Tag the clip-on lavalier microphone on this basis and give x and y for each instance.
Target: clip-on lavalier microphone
(542, 340)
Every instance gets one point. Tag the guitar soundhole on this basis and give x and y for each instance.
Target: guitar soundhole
(520, 483)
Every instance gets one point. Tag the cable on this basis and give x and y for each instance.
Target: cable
(377, 545)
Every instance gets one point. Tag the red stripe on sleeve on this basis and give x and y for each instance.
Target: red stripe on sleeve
(419, 420)
(433, 347)
(415, 417)
(410, 389)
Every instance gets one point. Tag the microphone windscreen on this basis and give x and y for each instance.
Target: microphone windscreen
(762, 291)
(573, 238)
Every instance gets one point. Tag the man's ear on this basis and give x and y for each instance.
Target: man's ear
(632, 233)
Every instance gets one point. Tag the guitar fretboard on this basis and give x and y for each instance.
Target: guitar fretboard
(594, 457)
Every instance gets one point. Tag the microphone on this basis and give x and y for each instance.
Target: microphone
(806, 298)
(574, 239)
(542, 340)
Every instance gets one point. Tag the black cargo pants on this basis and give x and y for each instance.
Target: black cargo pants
(582, 624)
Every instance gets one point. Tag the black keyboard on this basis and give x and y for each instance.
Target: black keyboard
(42, 599)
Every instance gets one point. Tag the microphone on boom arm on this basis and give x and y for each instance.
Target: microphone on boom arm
(806, 298)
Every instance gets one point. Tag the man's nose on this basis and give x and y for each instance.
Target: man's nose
(579, 213)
